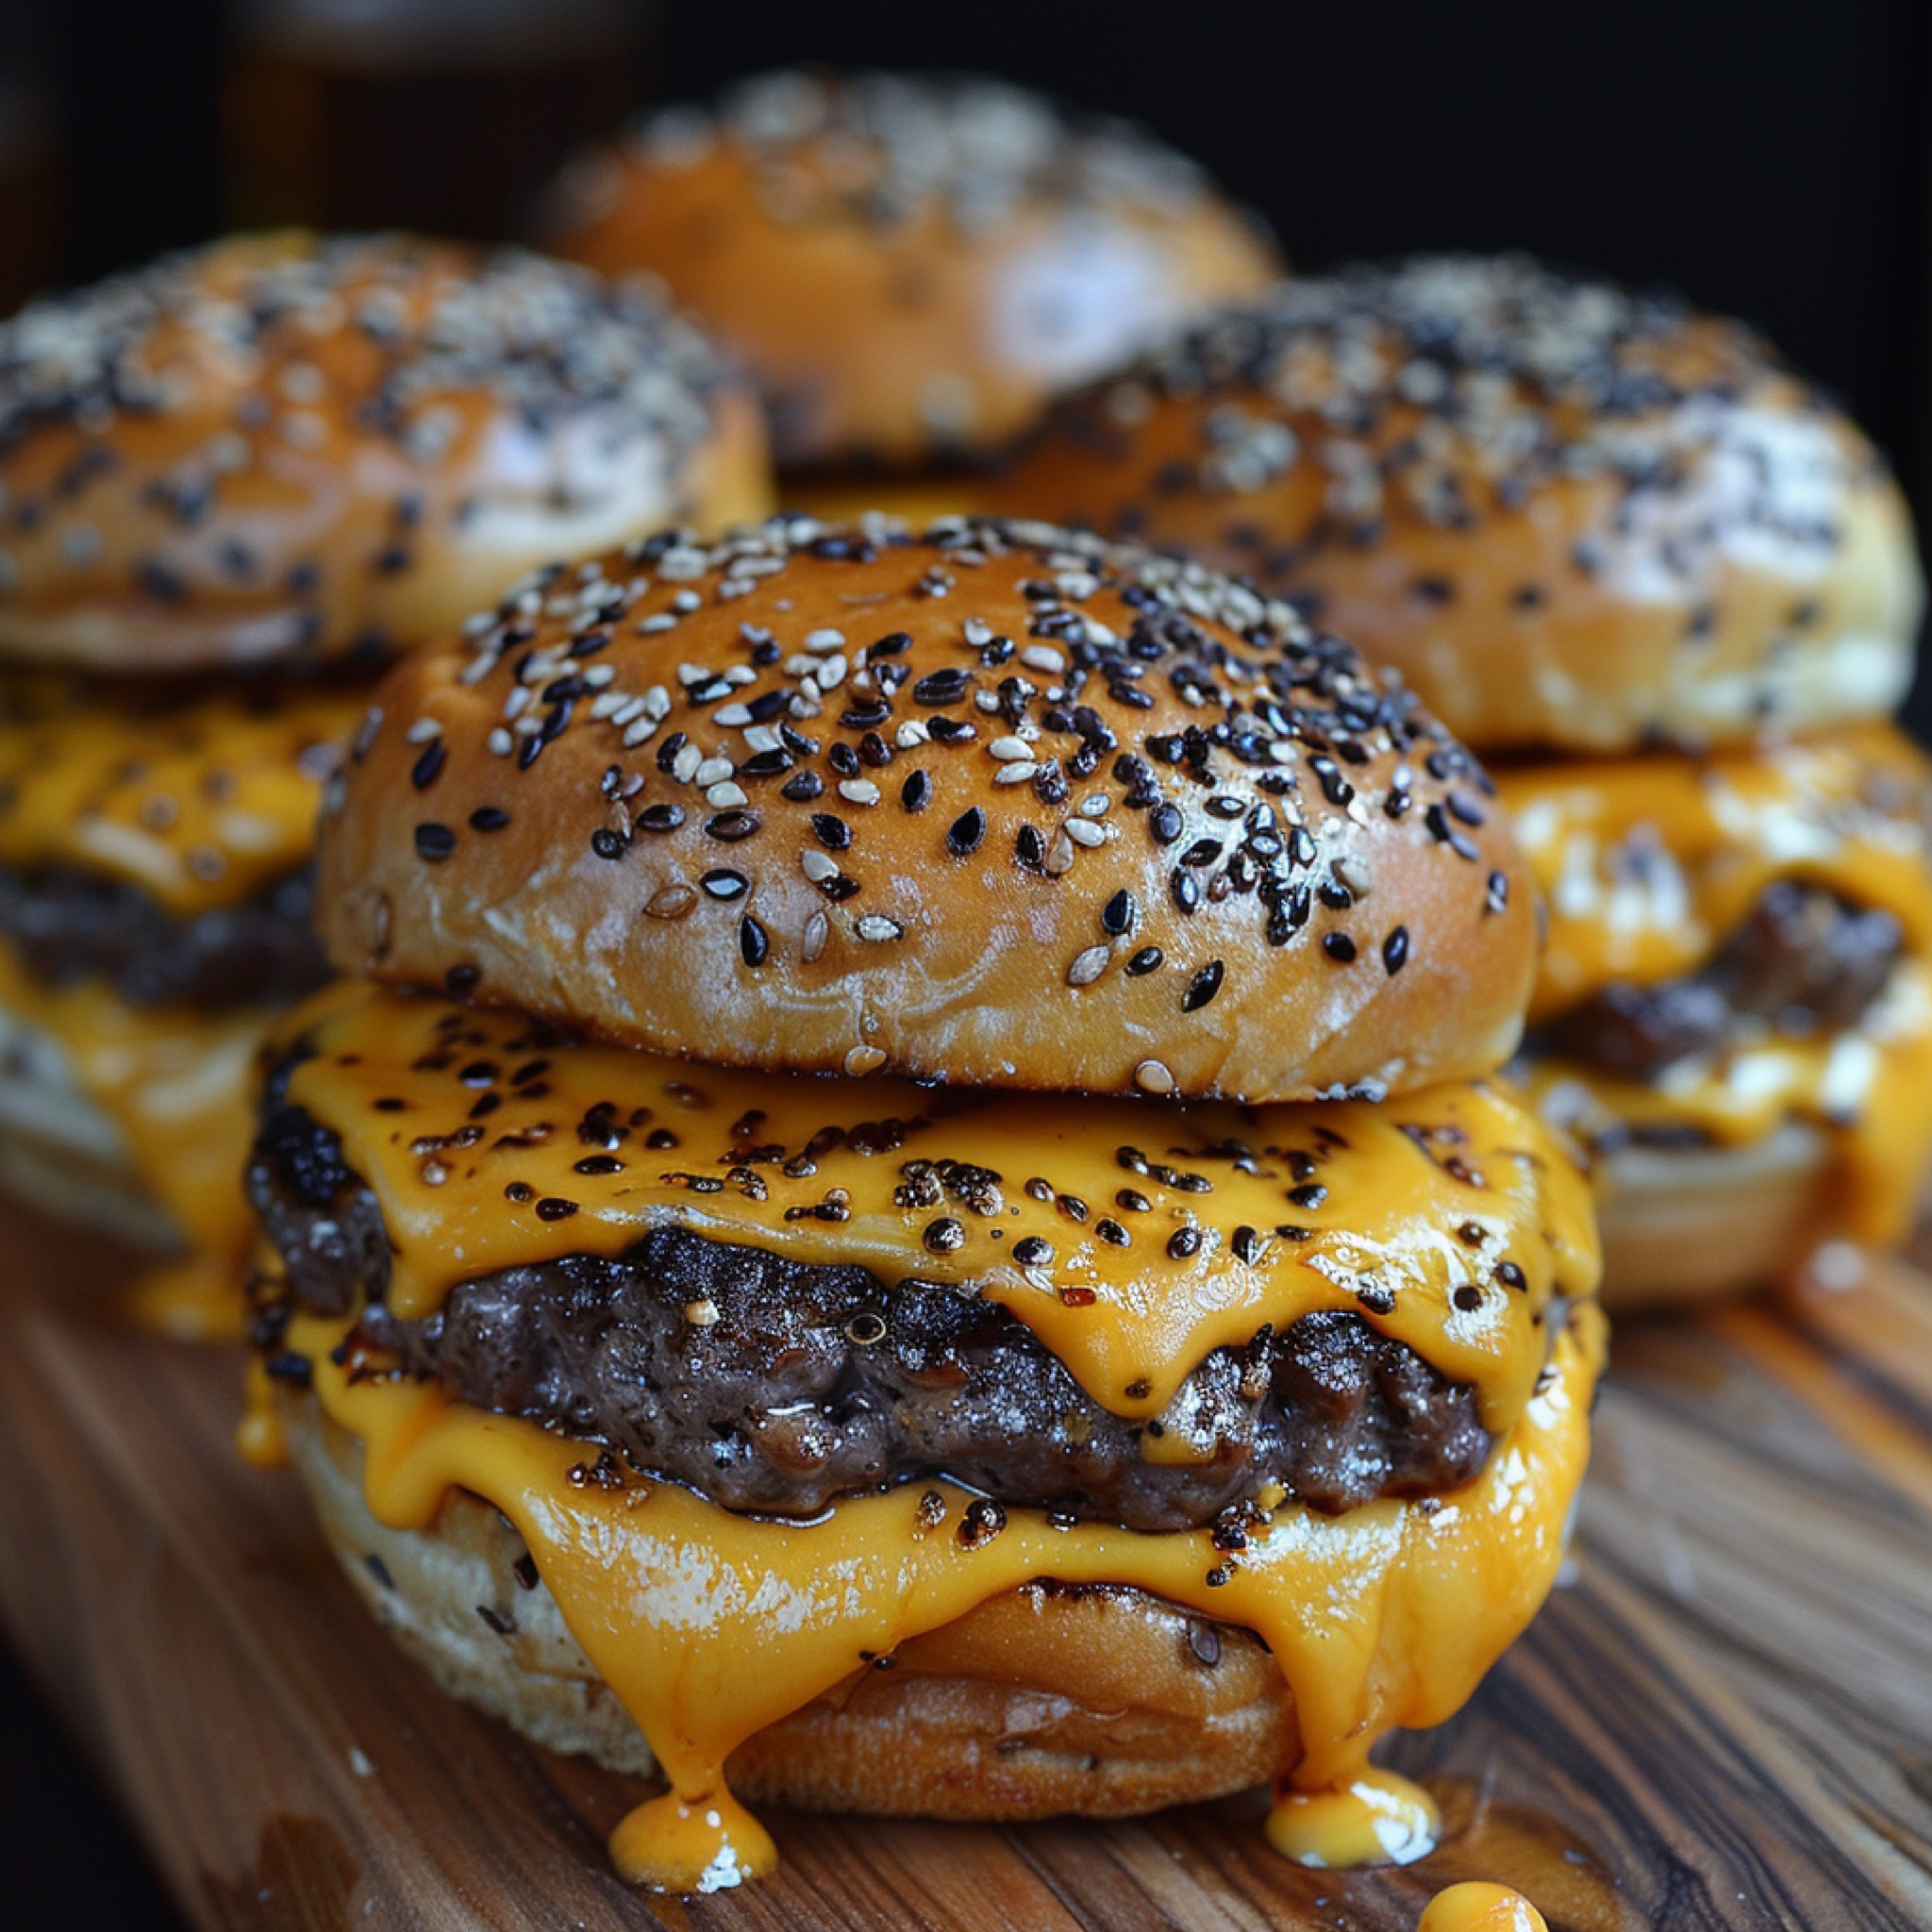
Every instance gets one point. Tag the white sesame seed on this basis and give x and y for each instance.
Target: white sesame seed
(1059, 857)
(1084, 832)
(712, 771)
(1096, 805)
(422, 730)
(731, 716)
(817, 930)
(607, 704)
(684, 767)
(864, 1059)
(1088, 966)
(477, 668)
(1151, 1076)
(598, 676)
(859, 791)
(762, 737)
(701, 1314)
(1007, 749)
(911, 733)
(651, 626)
(657, 702)
(986, 700)
(1016, 774)
(722, 796)
(978, 632)
(877, 928)
(517, 700)
(636, 734)
(689, 674)
(830, 673)
(500, 741)
(820, 641)
(1043, 658)
(816, 866)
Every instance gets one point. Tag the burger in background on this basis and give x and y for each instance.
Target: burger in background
(909, 265)
(232, 485)
(1673, 593)
(915, 1111)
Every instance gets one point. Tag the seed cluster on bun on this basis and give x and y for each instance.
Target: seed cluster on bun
(995, 804)
(1576, 517)
(910, 265)
(288, 447)
(1669, 591)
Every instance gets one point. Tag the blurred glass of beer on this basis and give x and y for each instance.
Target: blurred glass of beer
(439, 115)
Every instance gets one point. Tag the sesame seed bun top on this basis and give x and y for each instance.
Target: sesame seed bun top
(910, 264)
(284, 448)
(997, 804)
(1574, 517)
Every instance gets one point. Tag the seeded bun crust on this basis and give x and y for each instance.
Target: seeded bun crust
(999, 805)
(1573, 517)
(911, 266)
(283, 447)
(1096, 1703)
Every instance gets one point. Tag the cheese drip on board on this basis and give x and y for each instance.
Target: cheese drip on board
(1647, 864)
(1132, 1237)
(1387, 1615)
(175, 1082)
(202, 796)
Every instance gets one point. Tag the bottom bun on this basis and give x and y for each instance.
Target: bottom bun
(1099, 1702)
(1687, 1224)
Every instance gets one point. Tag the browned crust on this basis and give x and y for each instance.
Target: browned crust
(1001, 965)
(1094, 1701)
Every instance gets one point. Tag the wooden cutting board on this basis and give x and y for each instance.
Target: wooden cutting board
(1724, 1720)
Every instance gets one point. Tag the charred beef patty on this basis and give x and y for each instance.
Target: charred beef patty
(1802, 961)
(71, 925)
(777, 1385)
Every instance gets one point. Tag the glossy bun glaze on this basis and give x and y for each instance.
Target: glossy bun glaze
(910, 265)
(283, 447)
(998, 805)
(1574, 517)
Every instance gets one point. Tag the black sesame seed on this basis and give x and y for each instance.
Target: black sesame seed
(609, 844)
(831, 831)
(916, 793)
(434, 842)
(1510, 1275)
(1116, 915)
(1246, 1244)
(723, 883)
(1310, 1194)
(1395, 951)
(1467, 1297)
(1186, 890)
(1032, 1252)
(1134, 1201)
(802, 786)
(1166, 824)
(963, 836)
(554, 1208)
(597, 1164)
(1338, 947)
(1146, 960)
(1111, 1232)
(1184, 1243)
(1203, 987)
(754, 943)
(488, 818)
(1497, 894)
(661, 817)
(945, 1236)
(428, 766)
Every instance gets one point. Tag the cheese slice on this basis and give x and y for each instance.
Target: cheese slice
(1132, 1237)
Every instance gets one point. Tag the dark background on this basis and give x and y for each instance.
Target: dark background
(1773, 161)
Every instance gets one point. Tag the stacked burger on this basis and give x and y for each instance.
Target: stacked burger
(231, 486)
(902, 1207)
(1617, 544)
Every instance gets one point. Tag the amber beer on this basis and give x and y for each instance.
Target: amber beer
(442, 115)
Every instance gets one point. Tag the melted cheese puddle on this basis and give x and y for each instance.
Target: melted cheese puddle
(1388, 1615)
(490, 1146)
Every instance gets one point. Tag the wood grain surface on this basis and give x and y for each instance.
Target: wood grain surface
(1723, 1719)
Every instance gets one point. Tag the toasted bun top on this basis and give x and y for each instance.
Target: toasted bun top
(911, 265)
(1572, 516)
(288, 448)
(998, 804)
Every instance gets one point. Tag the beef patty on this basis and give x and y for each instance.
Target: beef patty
(70, 924)
(777, 1385)
(1802, 961)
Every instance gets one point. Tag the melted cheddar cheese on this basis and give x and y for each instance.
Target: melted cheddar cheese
(175, 1081)
(201, 797)
(489, 1143)
(1133, 1237)
(1388, 1615)
(1646, 865)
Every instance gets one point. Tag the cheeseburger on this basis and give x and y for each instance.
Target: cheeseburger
(904, 1210)
(231, 484)
(910, 265)
(1619, 547)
